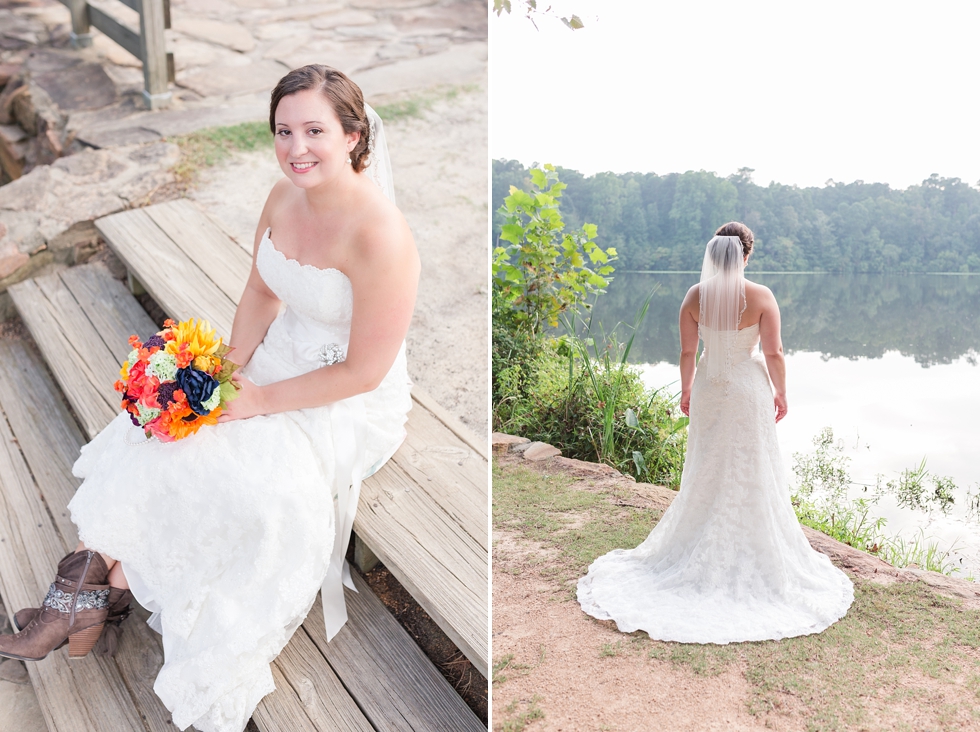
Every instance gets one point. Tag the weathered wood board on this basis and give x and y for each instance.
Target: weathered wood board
(395, 684)
(38, 439)
(79, 319)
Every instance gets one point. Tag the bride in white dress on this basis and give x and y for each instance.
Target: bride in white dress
(227, 535)
(728, 560)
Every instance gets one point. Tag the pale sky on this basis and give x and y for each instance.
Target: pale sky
(800, 91)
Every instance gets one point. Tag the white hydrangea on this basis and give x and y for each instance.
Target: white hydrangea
(133, 357)
(146, 414)
(212, 401)
(163, 365)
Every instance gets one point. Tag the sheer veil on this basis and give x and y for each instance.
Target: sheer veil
(722, 295)
(379, 163)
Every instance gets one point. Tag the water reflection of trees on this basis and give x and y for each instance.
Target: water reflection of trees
(934, 319)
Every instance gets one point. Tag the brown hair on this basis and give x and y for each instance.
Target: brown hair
(743, 232)
(344, 96)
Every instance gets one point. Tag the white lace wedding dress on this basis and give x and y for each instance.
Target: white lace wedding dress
(728, 560)
(227, 535)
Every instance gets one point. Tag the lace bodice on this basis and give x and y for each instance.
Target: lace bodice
(746, 340)
(323, 295)
(315, 324)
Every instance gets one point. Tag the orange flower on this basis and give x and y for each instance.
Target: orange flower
(180, 429)
(169, 323)
(184, 356)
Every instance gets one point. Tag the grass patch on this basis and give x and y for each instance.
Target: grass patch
(899, 647)
(205, 148)
(551, 510)
(519, 714)
(415, 106)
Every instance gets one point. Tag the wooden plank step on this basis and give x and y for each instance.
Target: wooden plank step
(413, 697)
(37, 438)
(162, 268)
(81, 319)
(444, 562)
(395, 684)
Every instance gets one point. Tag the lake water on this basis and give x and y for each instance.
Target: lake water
(890, 363)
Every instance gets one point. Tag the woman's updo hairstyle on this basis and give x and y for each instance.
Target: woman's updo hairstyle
(743, 232)
(344, 96)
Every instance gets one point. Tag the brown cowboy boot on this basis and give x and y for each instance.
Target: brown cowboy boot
(23, 617)
(74, 609)
(119, 609)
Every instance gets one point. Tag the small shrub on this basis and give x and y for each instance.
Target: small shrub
(553, 400)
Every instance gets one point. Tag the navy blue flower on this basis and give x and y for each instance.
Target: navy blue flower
(197, 386)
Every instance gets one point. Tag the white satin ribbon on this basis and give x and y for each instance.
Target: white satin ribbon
(348, 424)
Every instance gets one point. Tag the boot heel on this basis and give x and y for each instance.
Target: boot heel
(80, 643)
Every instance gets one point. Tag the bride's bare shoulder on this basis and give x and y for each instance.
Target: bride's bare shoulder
(278, 198)
(760, 294)
(383, 235)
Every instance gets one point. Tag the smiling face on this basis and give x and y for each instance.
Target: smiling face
(311, 145)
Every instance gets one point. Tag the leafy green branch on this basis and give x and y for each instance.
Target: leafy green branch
(530, 9)
(541, 270)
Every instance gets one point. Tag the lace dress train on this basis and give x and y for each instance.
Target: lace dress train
(227, 535)
(728, 560)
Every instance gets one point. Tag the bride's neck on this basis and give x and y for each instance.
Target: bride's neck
(334, 194)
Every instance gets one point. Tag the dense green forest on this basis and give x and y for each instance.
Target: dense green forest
(661, 222)
(930, 318)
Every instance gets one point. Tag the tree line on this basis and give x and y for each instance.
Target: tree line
(661, 222)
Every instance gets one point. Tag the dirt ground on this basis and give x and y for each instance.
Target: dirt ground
(580, 690)
(439, 162)
(885, 666)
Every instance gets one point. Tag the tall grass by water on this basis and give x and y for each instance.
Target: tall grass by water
(821, 500)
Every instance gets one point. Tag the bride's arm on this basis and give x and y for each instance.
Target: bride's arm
(772, 348)
(384, 279)
(689, 346)
(259, 305)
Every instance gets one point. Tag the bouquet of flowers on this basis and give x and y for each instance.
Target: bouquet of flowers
(177, 381)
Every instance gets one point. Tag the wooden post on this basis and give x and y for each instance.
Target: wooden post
(154, 54)
(134, 285)
(364, 558)
(81, 33)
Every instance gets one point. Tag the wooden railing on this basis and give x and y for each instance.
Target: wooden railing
(146, 42)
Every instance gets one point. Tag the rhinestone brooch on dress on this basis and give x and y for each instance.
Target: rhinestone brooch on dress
(330, 354)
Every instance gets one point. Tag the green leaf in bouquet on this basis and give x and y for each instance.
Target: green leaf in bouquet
(229, 391)
(227, 369)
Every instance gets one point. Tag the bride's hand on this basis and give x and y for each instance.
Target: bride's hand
(781, 406)
(686, 403)
(247, 404)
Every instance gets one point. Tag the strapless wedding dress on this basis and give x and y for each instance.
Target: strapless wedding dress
(227, 535)
(728, 560)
